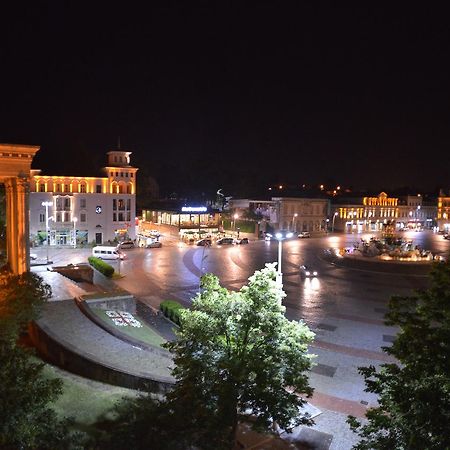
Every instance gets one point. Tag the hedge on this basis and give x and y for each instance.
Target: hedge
(172, 310)
(101, 266)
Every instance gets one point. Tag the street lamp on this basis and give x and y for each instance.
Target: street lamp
(234, 223)
(47, 204)
(75, 232)
(293, 219)
(332, 226)
(280, 237)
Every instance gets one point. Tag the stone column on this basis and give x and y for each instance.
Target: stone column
(17, 224)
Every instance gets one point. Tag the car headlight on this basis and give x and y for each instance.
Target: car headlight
(307, 273)
(315, 274)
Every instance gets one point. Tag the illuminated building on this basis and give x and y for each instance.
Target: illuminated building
(287, 213)
(88, 209)
(443, 212)
(376, 213)
(186, 220)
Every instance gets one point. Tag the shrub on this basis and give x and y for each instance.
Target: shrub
(101, 266)
(172, 310)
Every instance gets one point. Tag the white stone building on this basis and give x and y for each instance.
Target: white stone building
(88, 209)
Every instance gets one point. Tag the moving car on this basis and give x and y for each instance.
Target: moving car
(126, 244)
(225, 241)
(242, 241)
(304, 234)
(308, 272)
(155, 233)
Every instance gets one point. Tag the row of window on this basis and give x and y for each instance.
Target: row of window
(122, 174)
(119, 204)
(81, 188)
(64, 217)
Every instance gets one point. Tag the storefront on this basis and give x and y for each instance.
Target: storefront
(192, 222)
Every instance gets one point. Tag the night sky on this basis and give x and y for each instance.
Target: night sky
(239, 95)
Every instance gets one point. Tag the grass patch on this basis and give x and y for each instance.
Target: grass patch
(83, 399)
(145, 333)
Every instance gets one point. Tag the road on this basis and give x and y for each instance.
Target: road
(344, 306)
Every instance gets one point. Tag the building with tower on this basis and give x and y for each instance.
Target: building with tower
(73, 210)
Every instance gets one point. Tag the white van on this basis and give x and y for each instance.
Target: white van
(104, 252)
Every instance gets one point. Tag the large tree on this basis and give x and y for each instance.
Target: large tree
(237, 355)
(413, 395)
(26, 419)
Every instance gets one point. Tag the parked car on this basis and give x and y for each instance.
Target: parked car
(154, 244)
(204, 242)
(126, 244)
(242, 241)
(308, 272)
(447, 236)
(155, 233)
(304, 234)
(225, 241)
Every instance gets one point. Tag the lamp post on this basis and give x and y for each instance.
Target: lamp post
(235, 216)
(332, 226)
(75, 232)
(293, 219)
(47, 231)
(280, 237)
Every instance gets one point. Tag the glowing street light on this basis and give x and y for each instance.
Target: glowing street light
(280, 237)
(75, 232)
(293, 219)
(334, 217)
(47, 230)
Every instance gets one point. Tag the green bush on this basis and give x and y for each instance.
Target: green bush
(101, 266)
(172, 310)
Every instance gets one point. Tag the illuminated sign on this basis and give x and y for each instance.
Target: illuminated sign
(194, 209)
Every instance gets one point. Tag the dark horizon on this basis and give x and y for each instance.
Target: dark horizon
(228, 97)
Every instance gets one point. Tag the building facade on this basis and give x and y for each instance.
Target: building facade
(80, 210)
(286, 213)
(443, 212)
(365, 214)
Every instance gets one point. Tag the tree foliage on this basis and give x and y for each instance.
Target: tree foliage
(414, 395)
(236, 356)
(26, 420)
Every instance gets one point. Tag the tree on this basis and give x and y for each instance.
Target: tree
(414, 395)
(238, 356)
(26, 420)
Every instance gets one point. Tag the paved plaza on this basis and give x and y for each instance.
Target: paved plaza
(344, 306)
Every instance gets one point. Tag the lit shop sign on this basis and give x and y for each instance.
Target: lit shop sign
(194, 209)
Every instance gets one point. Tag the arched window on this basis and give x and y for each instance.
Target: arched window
(130, 188)
(82, 187)
(114, 188)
